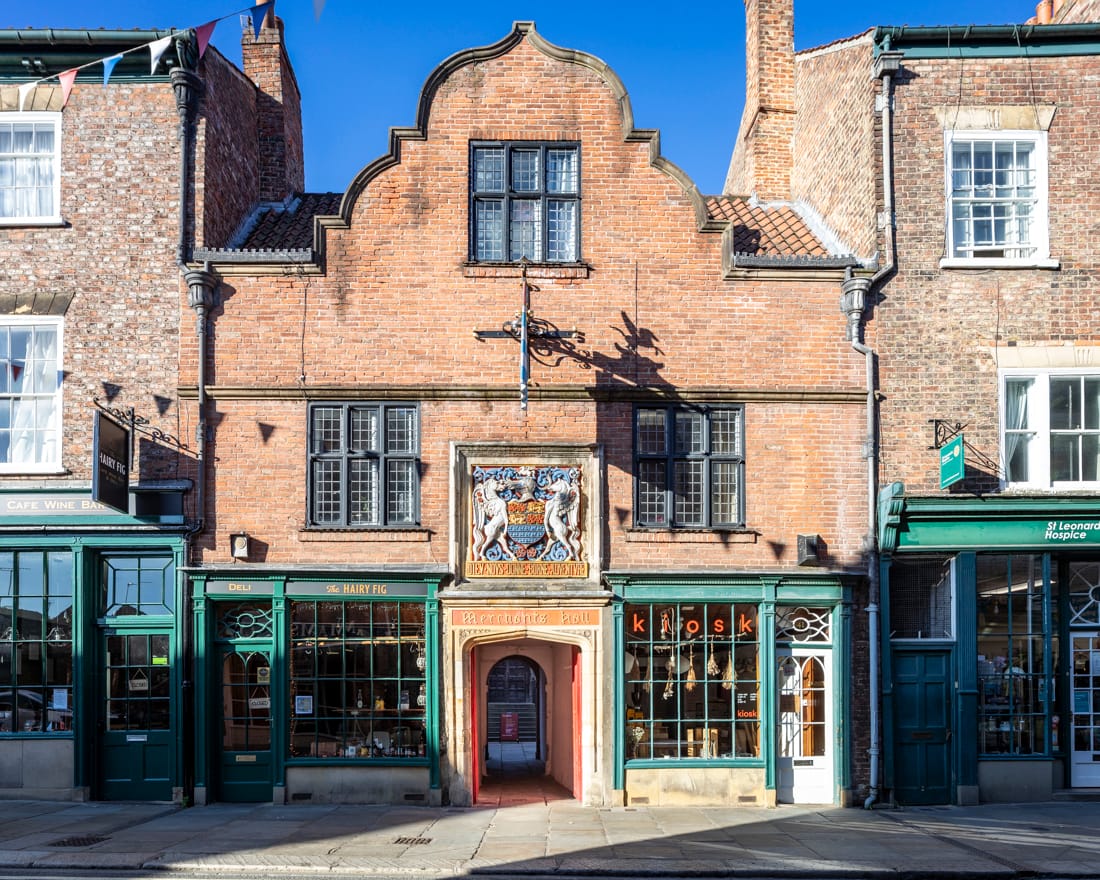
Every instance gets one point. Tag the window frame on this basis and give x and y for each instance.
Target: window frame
(54, 562)
(392, 698)
(53, 464)
(386, 519)
(54, 119)
(508, 196)
(671, 456)
(1039, 428)
(695, 665)
(1040, 230)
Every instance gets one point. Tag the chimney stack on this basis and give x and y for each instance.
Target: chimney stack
(278, 110)
(761, 162)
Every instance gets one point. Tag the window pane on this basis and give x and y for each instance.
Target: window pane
(489, 169)
(364, 430)
(525, 171)
(326, 492)
(326, 432)
(561, 231)
(1065, 403)
(363, 497)
(651, 432)
(688, 489)
(401, 491)
(651, 493)
(525, 230)
(401, 429)
(689, 432)
(561, 170)
(490, 230)
(723, 493)
(725, 433)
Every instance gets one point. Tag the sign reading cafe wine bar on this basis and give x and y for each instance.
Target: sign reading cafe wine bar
(526, 521)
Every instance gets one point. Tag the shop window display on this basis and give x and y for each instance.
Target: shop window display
(692, 681)
(1012, 676)
(357, 683)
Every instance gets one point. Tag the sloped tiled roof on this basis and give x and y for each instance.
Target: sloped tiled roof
(291, 228)
(760, 231)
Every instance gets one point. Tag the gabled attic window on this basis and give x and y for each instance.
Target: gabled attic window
(524, 202)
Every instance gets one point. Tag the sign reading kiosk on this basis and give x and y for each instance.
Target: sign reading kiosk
(111, 467)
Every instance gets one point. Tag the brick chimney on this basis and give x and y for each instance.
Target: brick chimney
(761, 162)
(278, 110)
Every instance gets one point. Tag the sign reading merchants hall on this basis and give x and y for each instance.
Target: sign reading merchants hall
(525, 522)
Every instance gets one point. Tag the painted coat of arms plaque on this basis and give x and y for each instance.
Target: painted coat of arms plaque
(526, 522)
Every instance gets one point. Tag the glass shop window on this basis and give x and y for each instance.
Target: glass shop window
(1013, 679)
(357, 683)
(692, 681)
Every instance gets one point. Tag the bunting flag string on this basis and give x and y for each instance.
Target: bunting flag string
(156, 48)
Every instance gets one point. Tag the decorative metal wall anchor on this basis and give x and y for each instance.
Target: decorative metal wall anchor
(524, 327)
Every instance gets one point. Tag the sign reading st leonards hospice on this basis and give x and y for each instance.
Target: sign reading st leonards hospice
(952, 462)
(111, 467)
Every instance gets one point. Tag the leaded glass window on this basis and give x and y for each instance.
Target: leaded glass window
(525, 202)
(364, 465)
(689, 466)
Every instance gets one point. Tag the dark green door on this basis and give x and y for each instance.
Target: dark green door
(922, 685)
(136, 755)
(245, 768)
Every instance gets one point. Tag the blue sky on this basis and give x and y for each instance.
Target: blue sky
(361, 65)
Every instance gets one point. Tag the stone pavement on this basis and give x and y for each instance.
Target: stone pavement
(556, 836)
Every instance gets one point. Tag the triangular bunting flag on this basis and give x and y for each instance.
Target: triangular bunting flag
(109, 65)
(66, 79)
(23, 91)
(203, 33)
(258, 12)
(156, 49)
(318, 8)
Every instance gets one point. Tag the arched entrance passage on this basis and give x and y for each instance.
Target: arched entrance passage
(526, 727)
(515, 719)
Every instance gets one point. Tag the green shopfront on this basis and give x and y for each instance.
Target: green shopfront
(991, 635)
(91, 650)
(317, 687)
(738, 687)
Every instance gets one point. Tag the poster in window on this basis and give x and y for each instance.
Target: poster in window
(746, 701)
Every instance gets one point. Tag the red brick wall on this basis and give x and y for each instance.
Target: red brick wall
(948, 322)
(227, 176)
(115, 256)
(837, 153)
(396, 309)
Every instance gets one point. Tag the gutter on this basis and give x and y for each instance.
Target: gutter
(188, 88)
(855, 302)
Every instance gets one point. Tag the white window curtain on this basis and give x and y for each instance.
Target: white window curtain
(1016, 438)
(33, 390)
(28, 169)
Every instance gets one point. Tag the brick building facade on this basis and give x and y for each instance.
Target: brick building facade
(966, 200)
(429, 496)
(97, 211)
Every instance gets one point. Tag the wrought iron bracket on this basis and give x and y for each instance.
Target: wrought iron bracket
(945, 431)
(140, 425)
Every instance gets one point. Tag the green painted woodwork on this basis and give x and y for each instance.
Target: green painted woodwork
(966, 671)
(921, 686)
(989, 41)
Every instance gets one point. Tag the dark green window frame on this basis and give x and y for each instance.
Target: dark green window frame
(689, 467)
(358, 688)
(692, 685)
(364, 465)
(36, 641)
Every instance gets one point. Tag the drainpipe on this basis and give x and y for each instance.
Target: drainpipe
(188, 88)
(855, 298)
